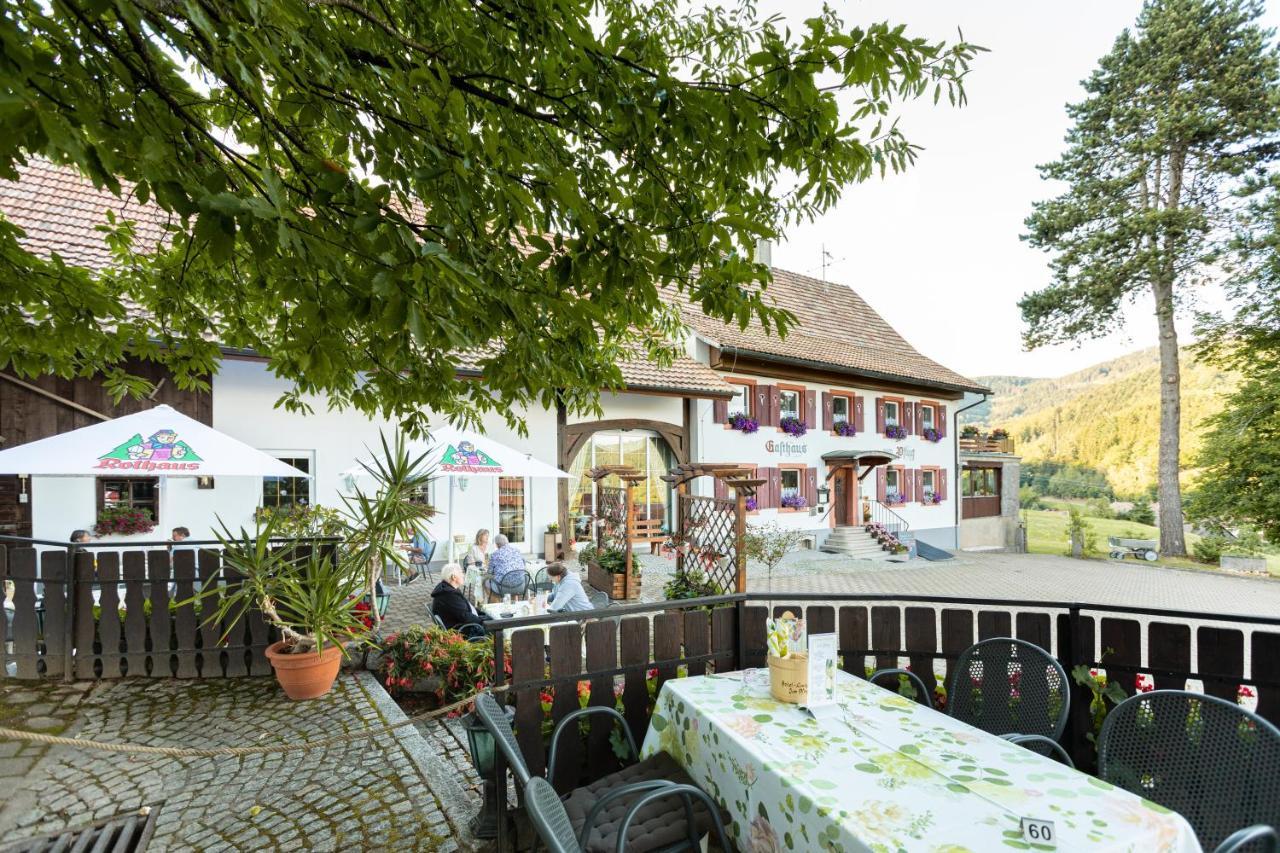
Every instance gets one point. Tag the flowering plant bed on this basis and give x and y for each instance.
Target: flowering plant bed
(895, 431)
(793, 426)
(931, 434)
(123, 520)
(845, 428)
(794, 502)
(437, 661)
(743, 423)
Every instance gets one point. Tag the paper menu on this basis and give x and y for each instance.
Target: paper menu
(822, 670)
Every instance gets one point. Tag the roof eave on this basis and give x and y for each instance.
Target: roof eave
(853, 371)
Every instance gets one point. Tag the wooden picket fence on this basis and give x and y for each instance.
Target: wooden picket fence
(124, 614)
(874, 631)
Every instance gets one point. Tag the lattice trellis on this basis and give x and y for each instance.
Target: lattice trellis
(711, 531)
(611, 512)
(615, 516)
(710, 539)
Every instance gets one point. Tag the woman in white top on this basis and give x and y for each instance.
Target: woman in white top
(478, 555)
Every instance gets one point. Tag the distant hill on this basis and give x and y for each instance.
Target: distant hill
(1106, 416)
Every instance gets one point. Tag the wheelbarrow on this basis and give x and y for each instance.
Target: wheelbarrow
(1139, 549)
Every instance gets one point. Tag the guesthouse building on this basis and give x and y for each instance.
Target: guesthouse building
(843, 420)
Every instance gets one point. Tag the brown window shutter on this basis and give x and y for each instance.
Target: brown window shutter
(775, 406)
(880, 484)
(880, 415)
(775, 487)
(762, 405)
(906, 478)
(811, 486)
(940, 421)
(828, 414)
(858, 420)
(942, 483)
(720, 412)
(920, 485)
(811, 409)
(919, 430)
(908, 418)
(722, 488)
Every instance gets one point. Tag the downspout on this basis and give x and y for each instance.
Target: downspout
(955, 424)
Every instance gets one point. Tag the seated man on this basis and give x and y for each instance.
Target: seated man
(451, 606)
(502, 562)
(567, 593)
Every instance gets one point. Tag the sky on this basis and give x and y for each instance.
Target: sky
(936, 250)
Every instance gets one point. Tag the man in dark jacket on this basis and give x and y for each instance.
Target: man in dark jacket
(451, 606)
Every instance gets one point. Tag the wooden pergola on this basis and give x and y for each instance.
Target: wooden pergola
(630, 477)
(744, 484)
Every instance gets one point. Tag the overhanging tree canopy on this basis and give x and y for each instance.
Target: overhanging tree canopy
(358, 190)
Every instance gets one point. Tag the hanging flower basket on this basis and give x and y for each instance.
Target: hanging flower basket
(895, 431)
(931, 434)
(742, 423)
(845, 428)
(793, 426)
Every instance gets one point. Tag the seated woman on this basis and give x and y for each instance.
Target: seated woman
(478, 555)
(452, 608)
(567, 594)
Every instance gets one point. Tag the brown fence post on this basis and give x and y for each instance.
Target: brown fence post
(68, 627)
(740, 539)
(628, 533)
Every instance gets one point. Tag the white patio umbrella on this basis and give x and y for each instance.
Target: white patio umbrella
(160, 442)
(458, 453)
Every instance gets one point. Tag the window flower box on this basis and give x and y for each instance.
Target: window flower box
(894, 499)
(794, 502)
(931, 434)
(751, 503)
(123, 521)
(932, 498)
(743, 423)
(845, 428)
(793, 426)
(895, 431)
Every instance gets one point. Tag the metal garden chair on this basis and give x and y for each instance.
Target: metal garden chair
(1007, 687)
(541, 581)
(473, 631)
(599, 598)
(555, 827)
(514, 583)
(598, 812)
(1208, 759)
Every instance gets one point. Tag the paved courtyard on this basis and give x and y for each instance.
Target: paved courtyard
(1045, 577)
(371, 794)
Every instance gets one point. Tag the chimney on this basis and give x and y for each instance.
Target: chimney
(764, 252)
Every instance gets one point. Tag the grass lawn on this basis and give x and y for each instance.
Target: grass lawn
(1047, 534)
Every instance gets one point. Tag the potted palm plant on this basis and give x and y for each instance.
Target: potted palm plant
(312, 591)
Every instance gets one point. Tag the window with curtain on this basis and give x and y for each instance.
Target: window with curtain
(840, 410)
(741, 402)
(789, 403)
(641, 449)
(511, 509)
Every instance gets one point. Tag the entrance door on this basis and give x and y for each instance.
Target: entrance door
(842, 499)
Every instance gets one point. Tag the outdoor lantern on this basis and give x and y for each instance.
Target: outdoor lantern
(824, 491)
(482, 745)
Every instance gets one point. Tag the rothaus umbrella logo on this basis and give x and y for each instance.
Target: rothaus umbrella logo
(466, 458)
(161, 452)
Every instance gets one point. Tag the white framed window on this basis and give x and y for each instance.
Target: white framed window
(928, 481)
(513, 496)
(789, 403)
(890, 413)
(740, 404)
(892, 486)
(790, 482)
(287, 492)
(926, 418)
(840, 410)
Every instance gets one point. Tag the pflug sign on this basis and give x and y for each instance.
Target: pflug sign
(787, 449)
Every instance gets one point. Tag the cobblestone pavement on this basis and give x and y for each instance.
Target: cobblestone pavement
(370, 794)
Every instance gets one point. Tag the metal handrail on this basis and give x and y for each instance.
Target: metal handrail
(887, 518)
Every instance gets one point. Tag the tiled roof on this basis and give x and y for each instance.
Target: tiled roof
(836, 328)
(61, 212)
(683, 375)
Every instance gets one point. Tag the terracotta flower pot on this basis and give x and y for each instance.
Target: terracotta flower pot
(305, 676)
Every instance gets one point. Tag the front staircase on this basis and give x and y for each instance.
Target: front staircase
(853, 542)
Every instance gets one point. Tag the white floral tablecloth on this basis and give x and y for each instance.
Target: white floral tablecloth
(885, 774)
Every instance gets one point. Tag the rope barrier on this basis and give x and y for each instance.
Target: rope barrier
(214, 752)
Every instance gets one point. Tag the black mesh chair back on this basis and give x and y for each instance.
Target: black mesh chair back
(598, 598)
(514, 583)
(541, 581)
(549, 817)
(439, 622)
(1211, 761)
(495, 720)
(1007, 686)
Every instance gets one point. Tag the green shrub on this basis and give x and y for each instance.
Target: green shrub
(1142, 512)
(691, 583)
(1077, 526)
(1029, 498)
(463, 667)
(1099, 508)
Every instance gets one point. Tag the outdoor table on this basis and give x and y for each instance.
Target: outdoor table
(881, 772)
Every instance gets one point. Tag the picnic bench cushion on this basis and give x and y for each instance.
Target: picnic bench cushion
(658, 825)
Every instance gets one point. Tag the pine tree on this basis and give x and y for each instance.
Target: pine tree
(1176, 120)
